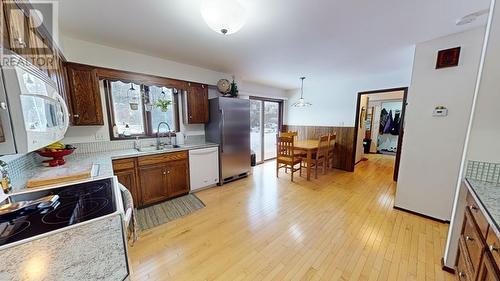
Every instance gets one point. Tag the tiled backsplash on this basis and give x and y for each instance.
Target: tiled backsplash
(127, 144)
(483, 171)
(19, 168)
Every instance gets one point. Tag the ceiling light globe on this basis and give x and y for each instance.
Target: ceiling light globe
(224, 16)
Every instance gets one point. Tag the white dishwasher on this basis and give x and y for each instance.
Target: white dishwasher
(203, 167)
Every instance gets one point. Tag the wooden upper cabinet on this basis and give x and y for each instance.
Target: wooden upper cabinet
(17, 25)
(84, 95)
(5, 28)
(196, 104)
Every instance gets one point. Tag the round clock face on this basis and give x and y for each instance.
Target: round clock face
(224, 86)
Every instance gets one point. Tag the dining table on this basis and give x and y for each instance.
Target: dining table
(309, 147)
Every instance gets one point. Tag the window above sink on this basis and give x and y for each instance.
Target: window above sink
(135, 109)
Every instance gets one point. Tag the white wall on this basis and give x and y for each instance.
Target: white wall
(431, 153)
(485, 132)
(482, 144)
(80, 51)
(334, 102)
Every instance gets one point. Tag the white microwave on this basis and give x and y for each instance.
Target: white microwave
(32, 112)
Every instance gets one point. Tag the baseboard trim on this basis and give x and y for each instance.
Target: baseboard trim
(446, 268)
(420, 215)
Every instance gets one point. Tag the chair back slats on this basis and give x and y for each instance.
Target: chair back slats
(323, 146)
(285, 146)
(289, 134)
(332, 140)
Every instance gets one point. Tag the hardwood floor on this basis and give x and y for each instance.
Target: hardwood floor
(339, 227)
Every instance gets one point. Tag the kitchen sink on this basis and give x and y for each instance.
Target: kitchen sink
(154, 148)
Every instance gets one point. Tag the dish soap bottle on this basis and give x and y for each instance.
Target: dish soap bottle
(137, 144)
(115, 131)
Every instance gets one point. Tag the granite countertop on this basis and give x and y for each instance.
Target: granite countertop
(489, 196)
(102, 161)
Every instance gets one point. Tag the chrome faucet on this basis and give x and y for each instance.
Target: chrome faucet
(158, 142)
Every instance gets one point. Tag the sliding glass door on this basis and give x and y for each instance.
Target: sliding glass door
(266, 121)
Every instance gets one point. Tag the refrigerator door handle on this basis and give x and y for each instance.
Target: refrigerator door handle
(221, 124)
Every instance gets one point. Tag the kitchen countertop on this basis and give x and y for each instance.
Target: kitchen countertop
(103, 160)
(488, 194)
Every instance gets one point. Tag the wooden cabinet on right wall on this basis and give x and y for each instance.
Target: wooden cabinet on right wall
(84, 95)
(478, 247)
(196, 104)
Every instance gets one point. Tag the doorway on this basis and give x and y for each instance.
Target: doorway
(380, 124)
(266, 120)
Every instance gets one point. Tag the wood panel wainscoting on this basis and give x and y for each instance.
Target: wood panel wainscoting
(344, 148)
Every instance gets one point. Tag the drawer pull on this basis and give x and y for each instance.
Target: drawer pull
(473, 208)
(461, 274)
(468, 238)
(493, 248)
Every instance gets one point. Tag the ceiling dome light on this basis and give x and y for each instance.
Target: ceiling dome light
(471, 17)
(224, 16)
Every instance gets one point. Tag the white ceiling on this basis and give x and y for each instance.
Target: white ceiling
(282, 40)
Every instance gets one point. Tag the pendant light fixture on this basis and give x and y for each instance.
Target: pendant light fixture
(133, 97)
(302, 102)
(223, 16)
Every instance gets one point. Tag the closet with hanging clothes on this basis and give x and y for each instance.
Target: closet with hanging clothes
(386, 126)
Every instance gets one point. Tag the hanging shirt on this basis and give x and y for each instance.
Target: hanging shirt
(388, 124)
(384, 116)
(396, 124)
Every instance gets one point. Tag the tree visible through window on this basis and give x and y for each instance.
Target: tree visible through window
(134, 107)
(120, 94)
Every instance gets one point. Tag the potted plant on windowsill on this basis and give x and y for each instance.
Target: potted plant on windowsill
(163, 104)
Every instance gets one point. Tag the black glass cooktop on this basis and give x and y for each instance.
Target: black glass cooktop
(77, 203)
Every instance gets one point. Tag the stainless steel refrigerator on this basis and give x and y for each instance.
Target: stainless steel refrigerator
(229, 126)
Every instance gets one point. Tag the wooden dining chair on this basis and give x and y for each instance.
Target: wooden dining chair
(331, 148)
(294, 135)
(289, 134)
(320, 158)
(286, 157)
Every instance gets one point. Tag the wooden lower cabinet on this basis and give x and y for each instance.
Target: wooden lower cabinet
(155, 178)
(463, 273)
(178, 178)
(126, 172)
(478, 245)
(488, 270)
(154, 186)
(129, 179)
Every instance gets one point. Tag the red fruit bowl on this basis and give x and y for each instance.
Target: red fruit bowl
(57, 156)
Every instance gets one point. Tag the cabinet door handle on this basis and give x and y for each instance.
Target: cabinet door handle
(76, 115)
(468, 238)
(168, 172)
(493, 248)
(164, 172)
(461, 274)
(472, 207)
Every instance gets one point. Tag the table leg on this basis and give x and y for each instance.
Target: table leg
(309, 163)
